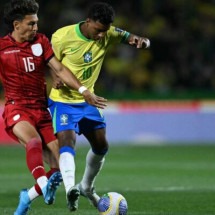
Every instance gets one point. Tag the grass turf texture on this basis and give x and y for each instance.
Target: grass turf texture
(155, 180)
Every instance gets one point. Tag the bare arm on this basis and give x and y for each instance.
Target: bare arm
(56, 81)
(63, 73)
(139, 42)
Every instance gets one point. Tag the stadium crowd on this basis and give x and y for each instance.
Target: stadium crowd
(180, 62)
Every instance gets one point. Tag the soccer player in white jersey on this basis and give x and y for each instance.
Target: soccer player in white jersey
(81, 48)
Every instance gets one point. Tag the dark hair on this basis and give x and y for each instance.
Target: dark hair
(102, 12)
(17, 10)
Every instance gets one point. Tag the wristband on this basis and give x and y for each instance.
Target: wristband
(147, 43)
(82, 89)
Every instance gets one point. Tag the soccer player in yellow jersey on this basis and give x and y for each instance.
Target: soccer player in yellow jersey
(81, 48)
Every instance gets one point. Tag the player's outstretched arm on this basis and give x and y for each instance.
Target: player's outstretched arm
(71, 81)
(138, 42)
(64, 74)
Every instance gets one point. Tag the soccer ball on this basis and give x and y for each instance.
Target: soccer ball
(112, 203)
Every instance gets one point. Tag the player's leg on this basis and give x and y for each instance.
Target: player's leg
(29, 137)
(50, 153)
(93, 127)
(65, 118)
(28, 195)
(94, 162)
(66, 141)
(51, 157)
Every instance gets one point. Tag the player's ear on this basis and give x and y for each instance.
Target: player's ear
(16, 24)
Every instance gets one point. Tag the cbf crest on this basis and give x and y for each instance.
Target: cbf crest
(88, 57)
(64, 119)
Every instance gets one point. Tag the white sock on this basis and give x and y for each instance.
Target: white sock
(94, 164)
(32, 193)
(67, 168)
(42, 181)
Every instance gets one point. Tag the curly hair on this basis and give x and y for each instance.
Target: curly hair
(102, 12)
(17, 10)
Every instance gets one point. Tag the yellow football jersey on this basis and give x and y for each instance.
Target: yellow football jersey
(84, 57)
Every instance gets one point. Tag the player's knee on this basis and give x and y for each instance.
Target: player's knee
(102, 151)
(34, 143)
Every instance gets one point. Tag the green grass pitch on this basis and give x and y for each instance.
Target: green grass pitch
(155, 180)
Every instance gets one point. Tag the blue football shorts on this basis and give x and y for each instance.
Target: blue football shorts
(80, 117)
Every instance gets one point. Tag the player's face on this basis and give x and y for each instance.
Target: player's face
(26, 29)
(96, 30)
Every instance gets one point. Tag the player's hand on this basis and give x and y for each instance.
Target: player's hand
(94, 100)
(139, 42)
(57, 83)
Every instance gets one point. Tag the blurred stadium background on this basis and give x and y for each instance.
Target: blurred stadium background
(164, 94)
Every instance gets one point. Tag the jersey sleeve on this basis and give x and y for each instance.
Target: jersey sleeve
(57, 46)
(48, 52)
(118, 35)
